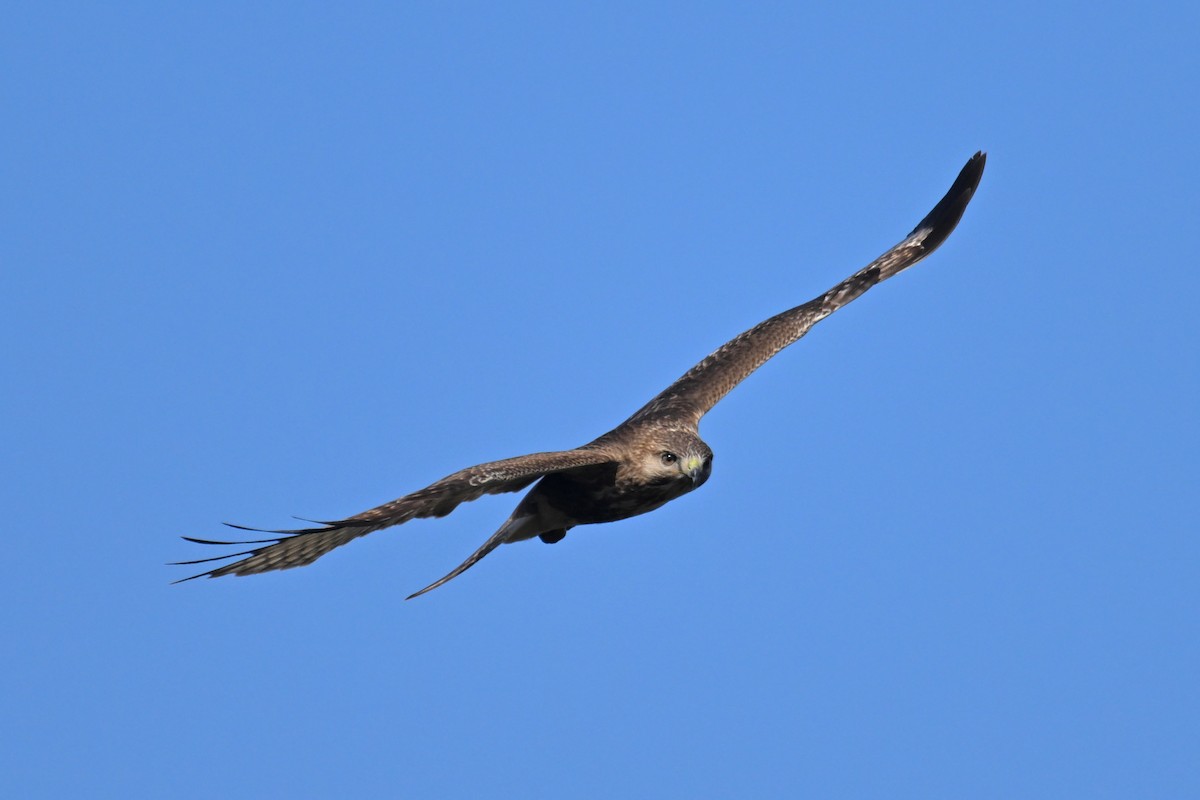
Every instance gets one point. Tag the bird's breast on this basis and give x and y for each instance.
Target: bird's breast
(602, 495)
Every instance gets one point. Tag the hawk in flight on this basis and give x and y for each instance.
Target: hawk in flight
(648, 460)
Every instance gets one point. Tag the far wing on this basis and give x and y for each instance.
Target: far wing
(295, 548)
(701, 387)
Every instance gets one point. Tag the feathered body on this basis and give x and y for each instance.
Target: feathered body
(650, 459)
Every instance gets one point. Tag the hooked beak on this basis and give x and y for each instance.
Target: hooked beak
(694, 469)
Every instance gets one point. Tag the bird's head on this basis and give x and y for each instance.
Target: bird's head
(675, 455)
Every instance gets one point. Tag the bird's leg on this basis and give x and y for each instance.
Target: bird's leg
(552, 537)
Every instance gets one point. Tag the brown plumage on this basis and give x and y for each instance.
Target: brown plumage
(653, 457)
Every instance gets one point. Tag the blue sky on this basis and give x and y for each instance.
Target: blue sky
(290, 259)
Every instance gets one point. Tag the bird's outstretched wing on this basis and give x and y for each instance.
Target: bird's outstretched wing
(295, 548)
(495, 540)
(701, 387)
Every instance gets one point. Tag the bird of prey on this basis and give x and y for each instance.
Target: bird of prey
(649, 459)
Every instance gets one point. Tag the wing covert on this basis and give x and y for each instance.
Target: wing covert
(296, 548)
(701, 387)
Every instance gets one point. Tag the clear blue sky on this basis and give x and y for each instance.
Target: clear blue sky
(290, 259)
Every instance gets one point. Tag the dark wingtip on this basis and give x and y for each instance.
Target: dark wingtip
(240, 541)
(280, 531)
(423, 591)
(235, 526)
(944, 217)
(219, 571)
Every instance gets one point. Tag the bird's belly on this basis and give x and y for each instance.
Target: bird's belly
(590, 502)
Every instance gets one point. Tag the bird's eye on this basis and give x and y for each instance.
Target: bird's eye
(669, 458)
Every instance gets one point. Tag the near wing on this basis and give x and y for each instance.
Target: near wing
(701, 387)
(295, 548)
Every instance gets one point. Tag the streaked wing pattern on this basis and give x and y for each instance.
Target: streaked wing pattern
(295, 548)
(701, 387)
